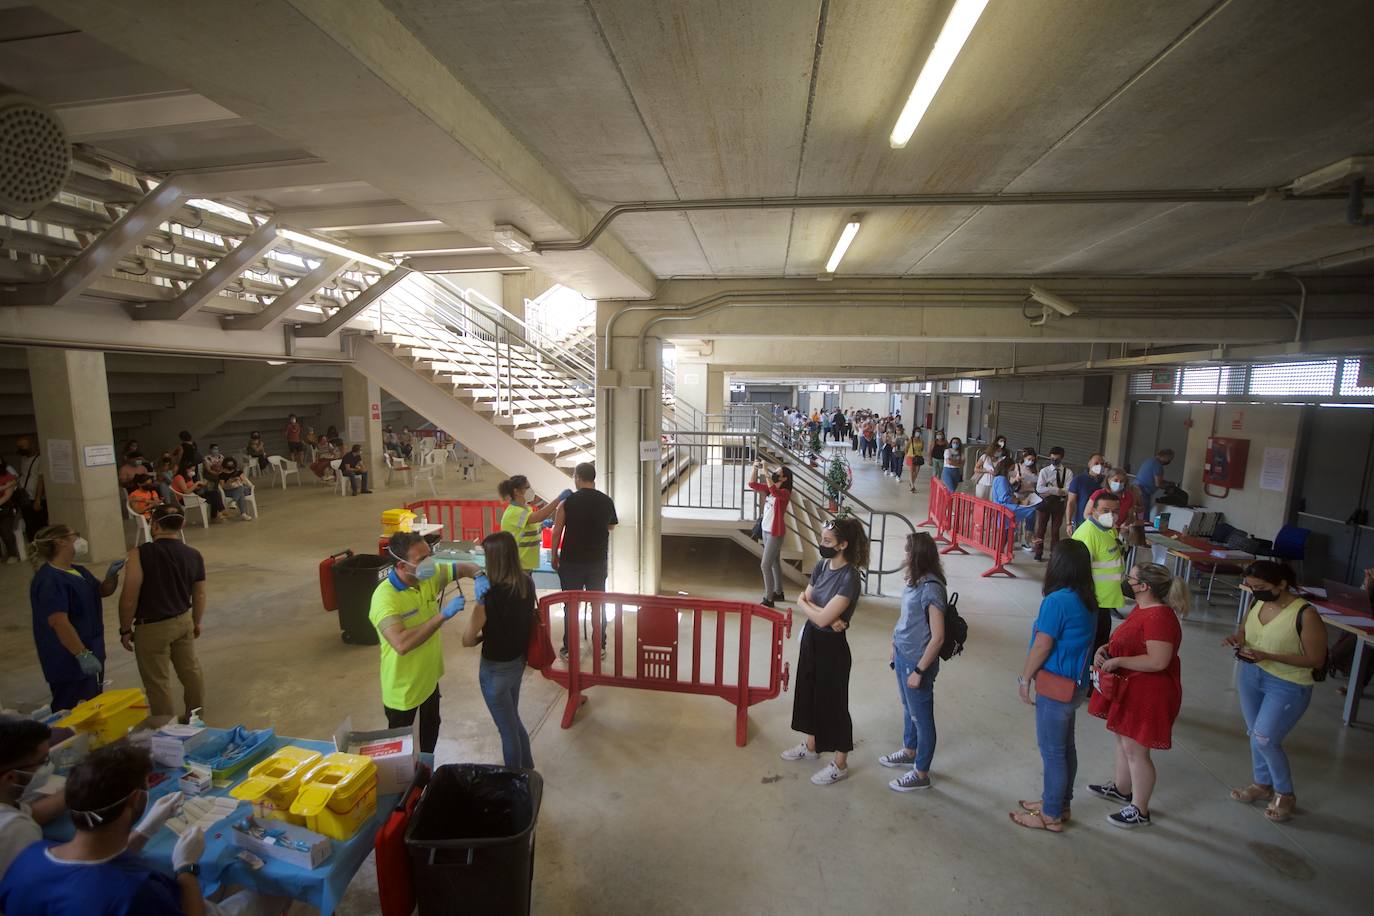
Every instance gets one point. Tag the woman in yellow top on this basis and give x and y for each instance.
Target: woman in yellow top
(915, 454)
(1281, 640)
(525, 524)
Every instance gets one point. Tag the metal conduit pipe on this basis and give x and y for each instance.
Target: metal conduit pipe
(954, 199)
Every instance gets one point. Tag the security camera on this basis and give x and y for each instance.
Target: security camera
(1058, 303)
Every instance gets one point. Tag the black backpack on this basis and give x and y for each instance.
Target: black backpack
(956, 629)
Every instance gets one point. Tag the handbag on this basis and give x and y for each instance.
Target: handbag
(1055, 686)
(1108, 683)
(539, 652)
(757, 532)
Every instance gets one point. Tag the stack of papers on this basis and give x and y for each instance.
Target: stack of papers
(201, 812)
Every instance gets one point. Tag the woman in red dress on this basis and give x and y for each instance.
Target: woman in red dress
(1139, 670)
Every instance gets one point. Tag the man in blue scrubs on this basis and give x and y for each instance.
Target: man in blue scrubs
(68, 616)
(1150, 476)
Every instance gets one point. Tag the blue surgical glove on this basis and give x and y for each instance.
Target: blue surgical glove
(480, 586)
(90, 665)
(114, 569)
(548, 523)
(454, 606)
(564, 495)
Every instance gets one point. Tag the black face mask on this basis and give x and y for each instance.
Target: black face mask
(1127, 590)
(828, 552)
(25, 453)
(1267, 594)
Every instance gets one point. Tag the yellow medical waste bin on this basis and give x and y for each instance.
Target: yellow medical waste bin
(273, 784)
(109, 716)
(338, 795)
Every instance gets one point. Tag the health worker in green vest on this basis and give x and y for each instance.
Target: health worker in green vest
(405, 610)
(1098, 533)
(525, 524)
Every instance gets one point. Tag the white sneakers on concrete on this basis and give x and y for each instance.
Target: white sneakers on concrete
(800, 752)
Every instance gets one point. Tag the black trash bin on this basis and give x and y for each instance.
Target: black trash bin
(355, 578)
(471, 840)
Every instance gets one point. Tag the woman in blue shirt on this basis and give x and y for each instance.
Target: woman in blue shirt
(1061, 645)
(1004, 492)
(68, 618)
(916, 643)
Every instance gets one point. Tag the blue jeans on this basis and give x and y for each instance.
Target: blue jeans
(918, 708)
(1271, 706)
(500, 683)
(951, 477)
(1058, 754)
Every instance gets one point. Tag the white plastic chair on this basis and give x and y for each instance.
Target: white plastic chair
(249, 465)
(436, 458)
(284, 468)
(336, 465)
(396, 466)
(250, 497)
(20, 536)
(191, 501)
(144, 531)
(425, 473)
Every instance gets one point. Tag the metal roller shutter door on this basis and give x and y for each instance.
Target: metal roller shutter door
(1077, 429)
(1020, 424)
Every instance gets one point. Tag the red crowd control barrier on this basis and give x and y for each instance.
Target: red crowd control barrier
(986, 527)
(662, 630)
(463, 519)
(938, 510)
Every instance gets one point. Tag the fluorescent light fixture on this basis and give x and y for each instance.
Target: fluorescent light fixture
(846, 238)
(414, 252)
(310, 241)
(1336, 175)
(276, 362)
(962, 18)
(513, 239)
(1056, 302)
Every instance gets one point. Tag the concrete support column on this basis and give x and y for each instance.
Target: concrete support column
(717, 390)
(689, 382)
(629, 412)
(362, 413)
(1114, 440)
(72, 406)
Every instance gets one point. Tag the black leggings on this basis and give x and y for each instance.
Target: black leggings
(7, 516)
(429, 720)
(821, 704)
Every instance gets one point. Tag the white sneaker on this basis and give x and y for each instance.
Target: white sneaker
(829, 775)
(246, 517)
(800, 752)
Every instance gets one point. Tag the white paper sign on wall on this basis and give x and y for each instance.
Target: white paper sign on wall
(648, 450)
(99, 455)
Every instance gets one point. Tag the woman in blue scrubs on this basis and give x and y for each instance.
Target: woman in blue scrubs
(68, 618)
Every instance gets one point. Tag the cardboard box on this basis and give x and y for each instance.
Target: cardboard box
(319, 848)
(395, 751)
(169, 743)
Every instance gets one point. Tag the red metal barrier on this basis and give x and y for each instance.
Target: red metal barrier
(986, 527)
(938, 510)
(656, 629)
(463, 519)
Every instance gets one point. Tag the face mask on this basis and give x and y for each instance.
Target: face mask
(37, 778)
(1055, 461)
(1029, 462)
(427, 569)
(1095, 470)
(1001, 443)
(1268, 594)
(25, 453)
(1126, 589)
(1107, 520)
(82, 547)
(828, 552)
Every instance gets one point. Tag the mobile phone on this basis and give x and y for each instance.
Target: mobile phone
(1244, 658)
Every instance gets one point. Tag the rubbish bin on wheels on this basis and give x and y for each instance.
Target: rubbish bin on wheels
(355, 578)
(471, 840)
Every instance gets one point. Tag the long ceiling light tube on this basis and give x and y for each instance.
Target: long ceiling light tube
(842, 244)
(963, 16)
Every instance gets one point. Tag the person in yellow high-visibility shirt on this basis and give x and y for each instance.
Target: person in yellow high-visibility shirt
(525, 524)
(1098, 533)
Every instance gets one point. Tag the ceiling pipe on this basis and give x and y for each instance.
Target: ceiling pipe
(955, 199)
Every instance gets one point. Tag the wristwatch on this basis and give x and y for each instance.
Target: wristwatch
(1020, 681)
(919, 671)
(193, 870)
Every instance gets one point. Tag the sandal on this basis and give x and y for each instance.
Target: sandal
(1252, 793)
(1281, 808)
(1036, 805)
(1034, 820)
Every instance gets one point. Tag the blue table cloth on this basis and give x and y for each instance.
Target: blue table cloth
(321, 887)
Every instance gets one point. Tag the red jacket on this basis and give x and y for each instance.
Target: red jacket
(781, 498)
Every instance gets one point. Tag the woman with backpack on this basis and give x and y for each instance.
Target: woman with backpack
(1282, 642)
(916, 643)
(820, 707)
(1056, 663)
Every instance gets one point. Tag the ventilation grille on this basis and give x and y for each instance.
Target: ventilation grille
(35, 157)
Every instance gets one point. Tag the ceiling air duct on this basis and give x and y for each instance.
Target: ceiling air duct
(35, 157)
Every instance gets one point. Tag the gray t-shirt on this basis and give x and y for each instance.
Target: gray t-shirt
(18, 830)
(826, 583)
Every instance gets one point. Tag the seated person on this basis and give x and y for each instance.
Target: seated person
(390, 442)
(98, 871)
(134, 464)
(144, 496)
(166, 473)
(354, 469)
(23, 770)
(257, 450)
(186, 482)
(213, 459)
(325, 452)
(235, 486)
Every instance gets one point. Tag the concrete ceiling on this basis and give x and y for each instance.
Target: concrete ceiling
(446, 117)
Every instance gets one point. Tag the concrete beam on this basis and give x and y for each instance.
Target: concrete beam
(354, 306)
(218, 399)
(438, 241)
(466, 263)
(213, 281)
(359, 217)
(105, 252)
(302, 289)
(874, 358)
(445, 152)
(266, 176)
(116, 119)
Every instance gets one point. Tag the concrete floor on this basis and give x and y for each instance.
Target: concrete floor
(649, 806)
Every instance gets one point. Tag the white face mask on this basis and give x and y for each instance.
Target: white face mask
(1107, 520)
(82, 547)
(40, 776)
(1095, 470)
(1115, 486)
(1029, 462)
